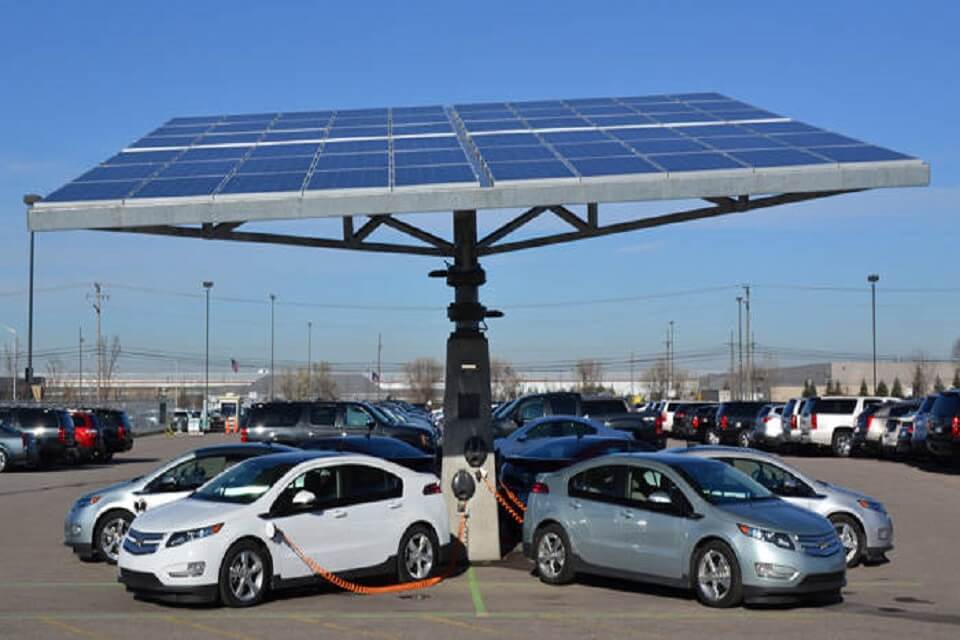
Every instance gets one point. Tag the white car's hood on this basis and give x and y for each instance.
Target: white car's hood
(188, 513)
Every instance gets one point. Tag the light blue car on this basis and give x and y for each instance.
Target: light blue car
(680, 521)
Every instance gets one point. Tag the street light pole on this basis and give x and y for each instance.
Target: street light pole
(740, 347)
(16, 357)
(30, 199)
(207, 285)
(873, 278)
(309, 359)
(273, 299)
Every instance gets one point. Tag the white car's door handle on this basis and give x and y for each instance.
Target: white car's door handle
(395, 505)
(339, 513)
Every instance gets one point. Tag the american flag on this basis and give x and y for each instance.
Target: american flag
(234, 365)
(375, 376)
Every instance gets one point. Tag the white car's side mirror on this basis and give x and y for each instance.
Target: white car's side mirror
(304, 498)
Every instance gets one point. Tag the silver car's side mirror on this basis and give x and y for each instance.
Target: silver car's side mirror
(660, 497)
(304, 498)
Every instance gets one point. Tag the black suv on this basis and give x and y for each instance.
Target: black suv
(116, 429)
(733, 424)
(943, 426)
(608, 411)
(52, 430)
(296, 423)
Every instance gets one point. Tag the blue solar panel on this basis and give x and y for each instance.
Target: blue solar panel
(422, 158)
(513, 141)
(356, 179)
(529, 170)
(263, 182)
(444, 174)
(177, 187)
(193, 169)
(276, 165)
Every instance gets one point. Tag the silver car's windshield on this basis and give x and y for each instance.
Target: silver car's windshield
(719, 483)
(244, 483)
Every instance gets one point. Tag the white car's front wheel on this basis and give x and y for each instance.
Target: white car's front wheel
(418, 554)
(245, 574)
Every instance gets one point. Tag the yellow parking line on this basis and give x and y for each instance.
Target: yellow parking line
(215, 631)
(77, 631)
(457, 623)
(378, 635)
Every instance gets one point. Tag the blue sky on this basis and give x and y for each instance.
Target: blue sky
(81, 80)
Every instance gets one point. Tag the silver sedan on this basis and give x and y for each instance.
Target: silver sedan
(863, 524)
(681, 521)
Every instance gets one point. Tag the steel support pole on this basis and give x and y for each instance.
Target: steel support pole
(309, 360)
(29, 372)
(740, 347)
(273, 299)
(873, 279)
(466, 401)
(207, 285)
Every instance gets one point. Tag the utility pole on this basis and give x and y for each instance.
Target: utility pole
(746, 302)
(633, 390)
(207, 285)
(673, 361)
(379, 364)
(97, 300)
(16, 357)
(309, 359)
(273, 299)
(730, 379)
(80, 368)
(873, 278)
(740, 347)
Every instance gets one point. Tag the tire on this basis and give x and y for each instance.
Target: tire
(109, 533)
(715, 574)
(107, 457)
(743, 439)
(852, 537)
(3, 460)
(418, 554)
(553, 555)
(710, 436)
(842, 443)
(245, 574)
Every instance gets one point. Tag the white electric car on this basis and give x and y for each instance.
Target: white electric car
(353, 515)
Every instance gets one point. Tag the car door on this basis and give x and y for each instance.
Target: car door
(376, 513)
(596, 497)
(322, 420)
(321, 529)
(356, 420)
(652, 532)
(179, 481)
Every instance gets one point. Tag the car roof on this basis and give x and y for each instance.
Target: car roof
(219, 449)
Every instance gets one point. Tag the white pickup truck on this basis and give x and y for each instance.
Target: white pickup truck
(829, 421)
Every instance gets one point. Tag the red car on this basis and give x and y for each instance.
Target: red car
(89, 436)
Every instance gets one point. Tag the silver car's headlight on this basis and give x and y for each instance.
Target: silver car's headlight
(183, 537)
(873, 505)
(782, 540)
(86, 501)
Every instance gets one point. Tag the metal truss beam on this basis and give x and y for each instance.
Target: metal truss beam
(492, 243)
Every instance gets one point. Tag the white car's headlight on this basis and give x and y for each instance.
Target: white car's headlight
(182, 537)
(782, 540)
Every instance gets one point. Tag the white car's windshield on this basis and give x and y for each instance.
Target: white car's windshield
(244, 483)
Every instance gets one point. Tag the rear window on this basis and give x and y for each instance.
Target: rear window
(564, 405)
(927, 404)
(742, 408)
(33, 418)
(113, 419)
(947, 404)
(323, 415)
(827, 405)
(603, 407)
(274, 415)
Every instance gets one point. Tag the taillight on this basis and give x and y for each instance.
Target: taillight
(696, 421)
(539, 487)
(658, 426)
(724, 422)
(869, 422)
(766, 419)
(663, 417)
(793, 421)
(244, 437)
(121, 432)
(813, 421)
(431, 489)
(955, 427)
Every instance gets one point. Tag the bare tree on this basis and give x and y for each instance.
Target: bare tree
(658, 378)
(11, 363)
(110, 367)
(504, 380)
(423, 374)
(289, 385)
(321, 384)
(923, 374)
(589, 375)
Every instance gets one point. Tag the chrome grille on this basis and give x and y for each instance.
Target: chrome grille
(139, 543)
(820, 546)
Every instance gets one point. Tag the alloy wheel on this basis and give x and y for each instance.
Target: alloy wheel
(844, 443)
(111, 537)
(246, 576)
(3, 460)
(712, 437)
(714, 576)
(551, 555)
(418, 556)
(848, 538)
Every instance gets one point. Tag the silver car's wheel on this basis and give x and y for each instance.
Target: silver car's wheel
(714, 576)
(110, 534)
(3, 460)
(418, 556)
(851, 537)
(551, 556)
(246, 576)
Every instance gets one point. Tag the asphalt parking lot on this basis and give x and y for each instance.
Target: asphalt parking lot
(46, 593)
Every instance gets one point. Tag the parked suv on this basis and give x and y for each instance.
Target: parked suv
(918, 439)
(610, 412)
(867, 422)
(89, 436)
(734, 423)
(790, 434)
(943, 426)
(828, 421)
(117, 431)
(52, 430)
(294, 423)
(669, 410)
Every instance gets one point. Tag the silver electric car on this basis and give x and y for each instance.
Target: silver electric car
(863, 524)
(98, 521)
(682, 521)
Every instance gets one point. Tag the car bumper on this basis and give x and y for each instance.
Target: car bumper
(148, 585)
(78, 532)
(802, 573)
(943, 448)
(814, 583)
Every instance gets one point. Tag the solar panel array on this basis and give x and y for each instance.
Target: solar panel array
(464, 146)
